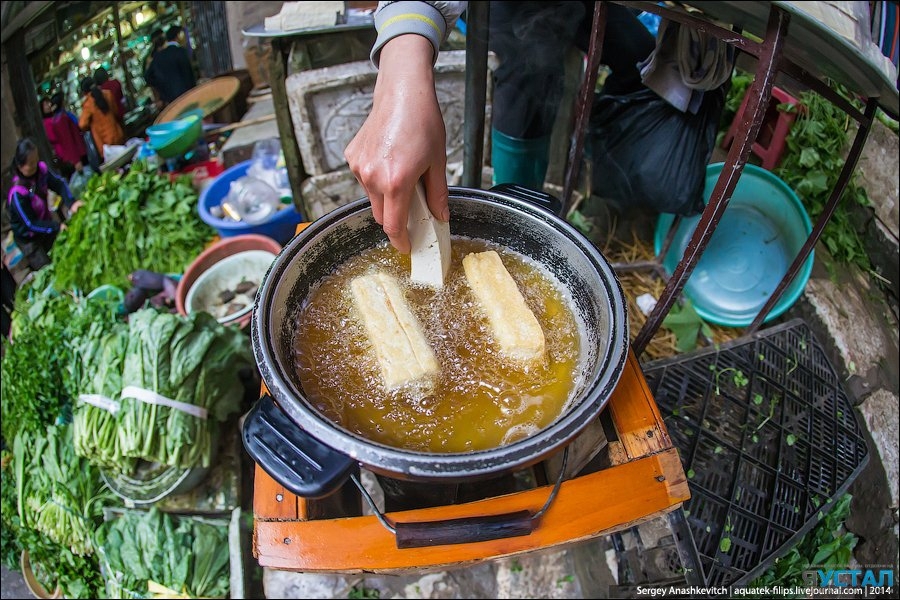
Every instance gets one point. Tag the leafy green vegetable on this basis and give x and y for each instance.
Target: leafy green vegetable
(140, 220)
(10, 548)
(41, 368)
(687, 325)
(184, 554)
(828, 544)
(95, 427)
(193, 361)
(59, 493)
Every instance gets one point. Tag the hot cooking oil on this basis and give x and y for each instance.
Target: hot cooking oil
(479, 401)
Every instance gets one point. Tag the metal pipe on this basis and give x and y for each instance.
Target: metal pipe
(844, 178)
(583, 105)
(759, 95)
(477, 18)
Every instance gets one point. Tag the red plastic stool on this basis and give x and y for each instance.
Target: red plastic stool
(770, 142)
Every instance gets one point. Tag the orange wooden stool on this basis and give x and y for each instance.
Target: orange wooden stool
(645, 480)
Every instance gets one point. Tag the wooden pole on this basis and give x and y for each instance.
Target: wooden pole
(26, 107)
(129, 87)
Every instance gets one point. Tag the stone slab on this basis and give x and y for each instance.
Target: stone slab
(329, 105)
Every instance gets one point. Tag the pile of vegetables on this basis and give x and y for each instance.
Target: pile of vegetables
(42, 368)
(140, 220)
(185, 371)
(67, 346)
(59, 500)
(58, 493)
(155, 552)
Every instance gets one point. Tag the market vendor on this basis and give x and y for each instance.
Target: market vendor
(30, 211)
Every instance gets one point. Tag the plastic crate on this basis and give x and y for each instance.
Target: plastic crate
(767, 435)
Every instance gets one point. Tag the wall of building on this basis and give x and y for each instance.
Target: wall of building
(243, 15)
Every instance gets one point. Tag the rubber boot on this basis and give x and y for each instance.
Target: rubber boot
(520, 161)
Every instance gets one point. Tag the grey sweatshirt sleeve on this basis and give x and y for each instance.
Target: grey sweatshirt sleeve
(432, 20)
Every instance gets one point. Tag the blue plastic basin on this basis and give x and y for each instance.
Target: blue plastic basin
(280, 227)
(757, 239)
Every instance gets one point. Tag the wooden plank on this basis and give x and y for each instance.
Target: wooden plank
(271, 500)
(595, 504)
(635, 414)
(278, 72)
(582, 450)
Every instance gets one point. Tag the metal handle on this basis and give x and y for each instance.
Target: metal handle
(542, 200)
(292, 457)
(464, 530)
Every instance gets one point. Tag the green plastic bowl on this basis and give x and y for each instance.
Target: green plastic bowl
(174, 138)
(760, 233)
(111, 294)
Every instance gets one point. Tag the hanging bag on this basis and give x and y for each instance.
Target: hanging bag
(648, 154)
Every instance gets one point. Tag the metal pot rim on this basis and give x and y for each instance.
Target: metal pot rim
(426, 465)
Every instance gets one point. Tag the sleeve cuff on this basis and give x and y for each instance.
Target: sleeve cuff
(399, 18)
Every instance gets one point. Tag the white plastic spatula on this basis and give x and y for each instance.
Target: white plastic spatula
(430, 242)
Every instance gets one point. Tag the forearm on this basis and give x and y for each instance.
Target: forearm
(27, 220)
(58, 185)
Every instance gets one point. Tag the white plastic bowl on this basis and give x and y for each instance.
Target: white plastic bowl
(226, 275)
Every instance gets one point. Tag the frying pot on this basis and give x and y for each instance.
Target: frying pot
(312, 455)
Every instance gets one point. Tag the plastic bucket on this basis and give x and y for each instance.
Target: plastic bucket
(280, 227)
(754, 244)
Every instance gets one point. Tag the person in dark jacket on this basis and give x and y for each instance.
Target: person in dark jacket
(30, 213)
(170, 72)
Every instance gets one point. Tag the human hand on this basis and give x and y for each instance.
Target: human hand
(402, 140)
(75, 206)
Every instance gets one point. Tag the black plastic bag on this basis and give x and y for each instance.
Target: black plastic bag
(648, 154)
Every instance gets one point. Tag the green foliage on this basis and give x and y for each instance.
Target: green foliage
(687, 325)
(827, 545)
(140, 220)
(182, 553)
(361, 591)
(10, 548)
(41, 367)
(811, 164)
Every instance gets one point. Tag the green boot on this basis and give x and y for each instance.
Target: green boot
(520, 161)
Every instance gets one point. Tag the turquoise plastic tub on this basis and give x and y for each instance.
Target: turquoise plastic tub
(757, 239)
(175, 138)
(280, 227)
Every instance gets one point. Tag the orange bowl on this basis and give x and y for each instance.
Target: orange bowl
(218, 251)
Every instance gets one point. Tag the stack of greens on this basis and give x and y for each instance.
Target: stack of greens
(179, 380)
(58, 493)
(59, 505)
(144, 552)
(96, 433)
(140, 220)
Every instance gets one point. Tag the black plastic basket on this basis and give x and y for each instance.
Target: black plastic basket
(767, 435)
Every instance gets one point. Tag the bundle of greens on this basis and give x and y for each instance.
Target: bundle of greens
(95, 428)
(140, 220)
(180, 379)
(58, 493)
(143, 552)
